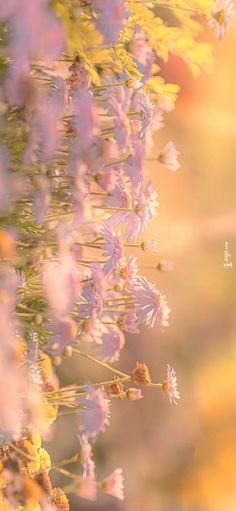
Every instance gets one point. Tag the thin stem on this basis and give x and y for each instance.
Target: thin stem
(64, 472)
(103, 364)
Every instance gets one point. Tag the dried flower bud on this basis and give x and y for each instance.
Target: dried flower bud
(116, 388)
(141, 374)
(150, 245)
(134, 394)
(165, 265)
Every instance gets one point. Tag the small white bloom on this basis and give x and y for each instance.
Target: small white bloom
(222, 16)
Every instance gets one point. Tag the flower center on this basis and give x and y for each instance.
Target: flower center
(220, 17)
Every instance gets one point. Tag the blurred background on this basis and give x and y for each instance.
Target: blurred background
(178, 458)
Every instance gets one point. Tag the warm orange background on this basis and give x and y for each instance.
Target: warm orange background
(183, 457)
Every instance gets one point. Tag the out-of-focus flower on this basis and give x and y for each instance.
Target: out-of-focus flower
(170, 385)
(128, 322)
(149, 245)
(169, 156)
(61, 284)
(113, 247)
(121, 124)
(85, 120)
(114, 484)
(147, 110)
(111, 16)
(113, 341)
(143, 53)
(42, 198)
(65, 329)
(94, 416)
(222, 16)
(165, 265)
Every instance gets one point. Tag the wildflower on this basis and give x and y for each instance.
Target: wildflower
(170, 385)
(114, 484)
(128, 272)
(91, 329)
(222, 16)
(94, 416)
(147, 110)
(143, 53)
(128, 322)
(134, 165)
(169, 157)
(119, 198)
(143, 211)
(150, 245)
(148, 301)
(65, 330)
(113, 248)
(85, 120)
(61, 284)
(111, 16)
(86, 457)
(91, 307)
(112, 343)
(121, 124)
(86, 487)
(141, 374)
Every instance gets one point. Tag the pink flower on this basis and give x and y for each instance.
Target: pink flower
(92, 303)
(134, 165)
(114, 484)
(61, 284)
(170, 385)
(87, 488)
(143, 53)
(113, 248)
(113, 342)
(86, 455)
(94, 416)
(85, 120)
(169, 156)
(222, 16)
(147, 110)
(65, 329)
(92, 329)
(144, 208)
(121, 124)
(128, 322)
(42, 199)
(129, 272)
(151, 304)
(119, 198)
(111, 16)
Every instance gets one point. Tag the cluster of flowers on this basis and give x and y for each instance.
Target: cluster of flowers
(80, 99)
